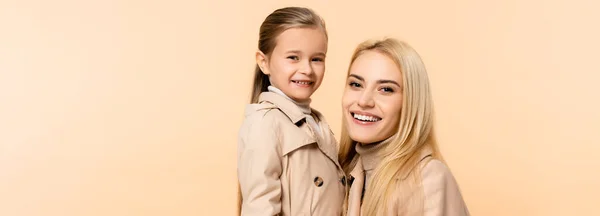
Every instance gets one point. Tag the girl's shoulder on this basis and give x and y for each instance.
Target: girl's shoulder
(266, 126)
(263, 118)
(258, 107)
(262, 112)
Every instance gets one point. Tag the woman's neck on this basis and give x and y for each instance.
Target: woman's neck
(372, 153)
(369, 154)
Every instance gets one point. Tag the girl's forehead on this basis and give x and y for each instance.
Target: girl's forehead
(302, 39)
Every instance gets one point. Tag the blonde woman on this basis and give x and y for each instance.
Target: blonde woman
(387, 146)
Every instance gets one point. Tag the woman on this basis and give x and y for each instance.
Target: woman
(387, 144)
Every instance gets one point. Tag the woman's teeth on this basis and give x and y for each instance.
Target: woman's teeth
(366, 118)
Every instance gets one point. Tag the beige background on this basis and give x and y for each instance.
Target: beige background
(130, 107)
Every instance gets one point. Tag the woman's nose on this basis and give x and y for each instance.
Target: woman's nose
(366, 100)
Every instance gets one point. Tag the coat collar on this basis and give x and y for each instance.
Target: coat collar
(357, 183)
(271, 100)
(286, 106)
(359, 169)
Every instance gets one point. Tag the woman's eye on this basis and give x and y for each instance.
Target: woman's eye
(354, 84)
(295, 58)
(387, 89)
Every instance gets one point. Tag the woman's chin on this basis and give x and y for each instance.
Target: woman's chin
(368, 140)
(365, 140)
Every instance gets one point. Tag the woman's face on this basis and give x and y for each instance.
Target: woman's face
(372, 99)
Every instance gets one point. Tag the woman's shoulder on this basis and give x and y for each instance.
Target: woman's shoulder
(435, 175)
(441, 191)
(435, 169)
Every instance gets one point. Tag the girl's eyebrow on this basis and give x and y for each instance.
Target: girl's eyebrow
(300, 52)
(294, 51)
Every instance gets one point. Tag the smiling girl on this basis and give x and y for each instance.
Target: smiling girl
(287, 155)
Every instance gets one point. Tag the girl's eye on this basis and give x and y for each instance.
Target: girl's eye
(318, 59)
(354, 84)
(387, 89)
(295, 58)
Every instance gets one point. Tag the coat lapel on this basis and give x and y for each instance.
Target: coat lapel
(328, 145)
(357, 179)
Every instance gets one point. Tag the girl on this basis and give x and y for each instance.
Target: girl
(387, 143)
(287, 155)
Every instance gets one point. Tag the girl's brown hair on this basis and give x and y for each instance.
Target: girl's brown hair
(277, 22)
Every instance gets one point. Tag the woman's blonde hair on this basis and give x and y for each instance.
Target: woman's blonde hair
(398, 172)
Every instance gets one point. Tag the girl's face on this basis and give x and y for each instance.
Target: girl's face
(297, 64)
(372, 100)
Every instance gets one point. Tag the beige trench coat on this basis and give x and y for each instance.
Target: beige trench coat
(440, 190)
(283, 168)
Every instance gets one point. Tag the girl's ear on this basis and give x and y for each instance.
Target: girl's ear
(261, 61)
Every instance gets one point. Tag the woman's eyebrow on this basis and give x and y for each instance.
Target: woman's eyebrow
(357, 77)
(388, 81)
(382, 81)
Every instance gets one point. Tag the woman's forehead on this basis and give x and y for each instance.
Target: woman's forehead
(373, 66)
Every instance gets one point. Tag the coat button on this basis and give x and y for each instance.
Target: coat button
(318, 181)
(343, 180)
